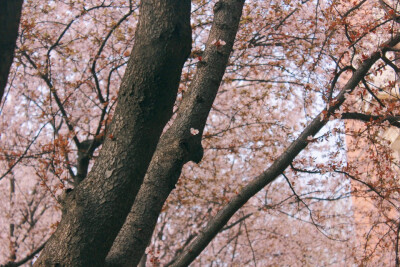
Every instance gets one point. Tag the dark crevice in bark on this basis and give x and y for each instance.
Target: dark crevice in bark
(84, 155)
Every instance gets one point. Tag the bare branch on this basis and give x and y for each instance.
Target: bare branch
(280, 164)
(393, 120)
(26, 259)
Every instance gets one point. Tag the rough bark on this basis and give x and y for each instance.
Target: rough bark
(10, 15)
(283, 161)
(177, 146)
(95, 211)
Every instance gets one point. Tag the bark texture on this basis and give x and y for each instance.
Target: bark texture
(177, 146)
(95, 211)
(10, 15)
(280, 164)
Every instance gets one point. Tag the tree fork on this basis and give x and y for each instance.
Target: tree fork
(178, 145)
(97, 208)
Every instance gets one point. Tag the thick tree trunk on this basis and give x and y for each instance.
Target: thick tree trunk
(10, 15)
(94, 212)
(177, 146)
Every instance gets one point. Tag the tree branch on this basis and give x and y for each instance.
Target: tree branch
(26, 259)
(93, 68)
(280, 164)
(53, 92)
(393, 120)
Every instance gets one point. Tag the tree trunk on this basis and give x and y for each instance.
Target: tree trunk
(94, 212)
(10, 15)
(178, 146)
